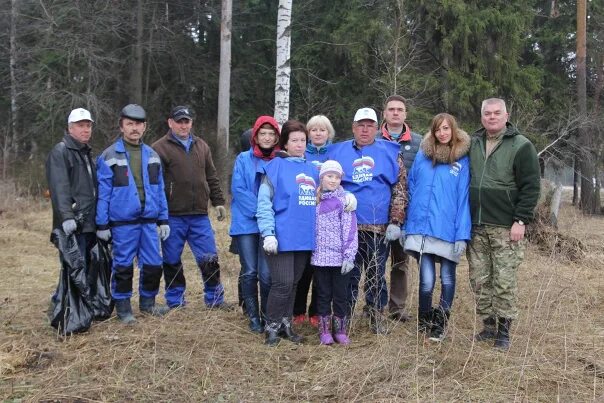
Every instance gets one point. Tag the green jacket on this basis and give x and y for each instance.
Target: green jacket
(505, 186)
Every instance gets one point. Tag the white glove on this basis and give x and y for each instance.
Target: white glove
(69, 226)
(393, 232)
(103, 234)
(347, 267)
(221, 212)
(351, 202)
(270, 245)
(459, 247)
(164, 231)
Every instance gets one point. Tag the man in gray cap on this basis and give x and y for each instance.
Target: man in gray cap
(131, 205)
(191, 182)
(71, 178)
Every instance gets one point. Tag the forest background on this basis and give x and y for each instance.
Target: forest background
(443, 55)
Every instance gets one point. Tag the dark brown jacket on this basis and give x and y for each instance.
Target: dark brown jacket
(190, 179)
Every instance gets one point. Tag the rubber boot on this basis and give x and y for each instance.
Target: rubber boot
(271, 332)
(251, 308)
(287, 331)
(147, 305)
(325, 336)
(490, 330)
(377, 323)
(124, 311)
(340, 326)
(439, 324)
(502, 340)
(424, 321)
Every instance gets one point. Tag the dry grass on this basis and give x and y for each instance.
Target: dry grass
(195, 354)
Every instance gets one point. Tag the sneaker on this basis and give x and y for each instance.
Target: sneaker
(314, 321)
(299, 319)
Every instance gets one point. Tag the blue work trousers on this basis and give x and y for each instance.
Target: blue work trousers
(142, 241)
(196, 230)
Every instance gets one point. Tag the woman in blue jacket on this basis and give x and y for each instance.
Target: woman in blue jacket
(244, 228)
(286, 219)
(438, 217)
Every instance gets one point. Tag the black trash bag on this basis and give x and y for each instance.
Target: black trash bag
(99, 277)
(70, 311)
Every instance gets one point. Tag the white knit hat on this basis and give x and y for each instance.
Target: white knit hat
(331, 166)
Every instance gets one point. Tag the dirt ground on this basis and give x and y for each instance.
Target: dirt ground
(195, 354)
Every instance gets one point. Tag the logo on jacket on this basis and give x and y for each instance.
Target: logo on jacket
(306, 190)
(455, 168)
(362, 169)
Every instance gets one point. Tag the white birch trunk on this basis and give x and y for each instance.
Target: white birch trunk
(282, 82)
(11, 140)
(224, 81)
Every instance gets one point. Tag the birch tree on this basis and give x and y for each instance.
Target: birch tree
(282, 82)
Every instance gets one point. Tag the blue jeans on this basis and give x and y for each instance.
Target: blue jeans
(427, 274)
(254, 268)
(371, 257)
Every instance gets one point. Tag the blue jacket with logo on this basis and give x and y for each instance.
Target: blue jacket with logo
(370, 172)
(439, 197)
(118, 202)
(286, 203)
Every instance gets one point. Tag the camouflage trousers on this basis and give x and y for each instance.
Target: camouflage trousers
(494, 260)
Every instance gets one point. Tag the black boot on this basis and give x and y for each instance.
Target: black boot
(287, 331)
(147, 305)
(377, 322)
(251, 308)
(424, 321)
(502, 340)
(439, 324)
(272, 333)
(490, 330)
(124, 311)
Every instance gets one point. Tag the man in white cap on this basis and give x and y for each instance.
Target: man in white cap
(375, 173)
(71, 176)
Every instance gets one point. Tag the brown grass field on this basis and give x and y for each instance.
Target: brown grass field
(195, 354)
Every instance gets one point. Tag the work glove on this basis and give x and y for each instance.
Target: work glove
(103, 234)
(393, 232)
(69, 226)
(347, 267)
(351, 202)
(270, 245)
(164, 231)
(221, 212)
(459, 247)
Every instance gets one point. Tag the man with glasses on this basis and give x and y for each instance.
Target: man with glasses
(375, 173)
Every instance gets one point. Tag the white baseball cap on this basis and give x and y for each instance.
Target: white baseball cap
(79, 114)
(365, 114)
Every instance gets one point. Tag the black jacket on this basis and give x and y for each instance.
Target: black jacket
(71, 177)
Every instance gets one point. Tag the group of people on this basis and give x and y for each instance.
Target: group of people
(135, 195)
(308, 211)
